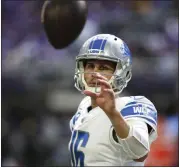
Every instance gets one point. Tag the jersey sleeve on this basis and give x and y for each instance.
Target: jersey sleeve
(142, 109)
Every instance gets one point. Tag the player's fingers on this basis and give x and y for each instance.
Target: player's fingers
(102, 87)
(104, 84)
(108, 90)
(99, 76)
(89, 93)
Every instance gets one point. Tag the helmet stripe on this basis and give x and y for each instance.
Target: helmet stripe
(103, 45)
(97, 44)
(91, 44)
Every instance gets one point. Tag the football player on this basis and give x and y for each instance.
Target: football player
(109, 130)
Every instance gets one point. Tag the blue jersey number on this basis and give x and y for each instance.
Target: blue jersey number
(77, 156)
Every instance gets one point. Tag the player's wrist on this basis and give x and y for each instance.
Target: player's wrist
(115, 117)
(119, 124)
(112, 113)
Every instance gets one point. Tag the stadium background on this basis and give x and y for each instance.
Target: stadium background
(38, 94)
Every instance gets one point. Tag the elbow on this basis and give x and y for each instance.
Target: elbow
(137, 144)
(136, 149)
(141, 159)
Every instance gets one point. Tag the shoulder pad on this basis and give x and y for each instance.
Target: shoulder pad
(140, 107)
(84, 103)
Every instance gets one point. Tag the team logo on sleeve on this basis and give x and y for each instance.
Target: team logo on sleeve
(141, 110)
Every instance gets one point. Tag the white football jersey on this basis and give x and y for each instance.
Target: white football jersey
(92, 143)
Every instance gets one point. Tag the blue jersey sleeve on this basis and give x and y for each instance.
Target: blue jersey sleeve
(142, 110)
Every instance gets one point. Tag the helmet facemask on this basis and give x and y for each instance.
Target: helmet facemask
(118, 80)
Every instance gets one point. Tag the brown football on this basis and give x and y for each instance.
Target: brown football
(63, 21)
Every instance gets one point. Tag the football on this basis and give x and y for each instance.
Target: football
(63, 21)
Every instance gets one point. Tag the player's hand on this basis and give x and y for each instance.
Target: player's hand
(106, 98)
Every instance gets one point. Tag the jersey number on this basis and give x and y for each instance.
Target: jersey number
(79, 139)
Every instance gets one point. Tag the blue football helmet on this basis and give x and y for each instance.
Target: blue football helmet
(105, 47)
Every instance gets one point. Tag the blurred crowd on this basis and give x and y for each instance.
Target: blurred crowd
(38, 94)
